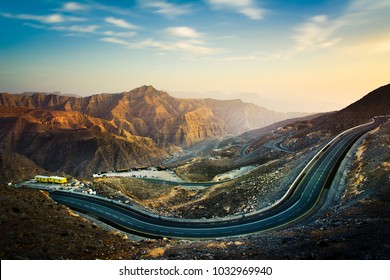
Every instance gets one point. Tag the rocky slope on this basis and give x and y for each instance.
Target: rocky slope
(312, 131)
(72, 142)
(375, 103)
(16, 167)
(35, 227)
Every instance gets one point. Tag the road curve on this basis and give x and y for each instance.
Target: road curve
(302, 197)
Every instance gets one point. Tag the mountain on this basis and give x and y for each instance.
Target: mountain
(242, 117)
(72, 142)
(310, 131)
(82, 135)
(375, 103)
(148, 112)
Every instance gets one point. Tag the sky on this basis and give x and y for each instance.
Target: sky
(299, 55)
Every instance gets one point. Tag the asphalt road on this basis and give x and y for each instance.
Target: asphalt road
(278, 146)
(244, 150)
(183, 184)
(299, 203)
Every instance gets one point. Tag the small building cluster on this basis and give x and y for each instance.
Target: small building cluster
(50, 179)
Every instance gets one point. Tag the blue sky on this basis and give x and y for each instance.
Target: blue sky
(284, 55)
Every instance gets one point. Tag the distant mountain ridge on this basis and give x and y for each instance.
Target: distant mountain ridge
(148, 112)
(82, 135)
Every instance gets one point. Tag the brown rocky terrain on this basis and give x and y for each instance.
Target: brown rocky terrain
(35, 227)
(72, 142)
(309, 132)
(355, 225)
(16, 167)
(83, 135)
(148, 112)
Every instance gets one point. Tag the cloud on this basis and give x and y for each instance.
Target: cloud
(247, 8)
(36, 26)
(183, 31)
(320, 32)
(316, 33)
(92, 5)
(74, 6)
(193, 47)
(77, 28)
(119, 34)
(115, 41)
(167, 9)
(368, 5)
(53, 18)
(44, 19)
(120, 23)
(149, 43)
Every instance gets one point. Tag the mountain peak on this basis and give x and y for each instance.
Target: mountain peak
(148, 90)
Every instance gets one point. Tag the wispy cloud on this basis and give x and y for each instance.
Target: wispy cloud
(77, 28)
(195, 47)
(74, 6)
(120, 23)
(147, 43)
(115, 41)
(45, 19)
(247, 8)
(316, 33)
(183, 31)
(191, 46)
(368, 5)
(119, 34)
(320, 31)
(181, 39)
(167, 9)
(89, 5)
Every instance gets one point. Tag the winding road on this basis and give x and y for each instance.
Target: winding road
(299, 202)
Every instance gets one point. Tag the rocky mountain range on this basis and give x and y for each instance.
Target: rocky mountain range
(353, 224)
(81, 135)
